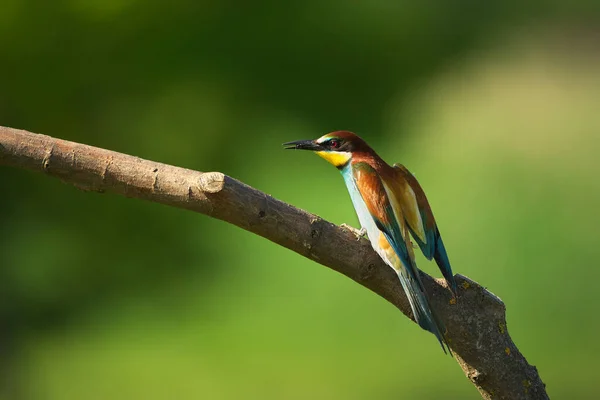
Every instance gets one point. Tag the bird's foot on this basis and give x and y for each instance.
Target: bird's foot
(359, 233)
(414, 246)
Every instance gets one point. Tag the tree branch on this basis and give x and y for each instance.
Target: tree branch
(477, 330)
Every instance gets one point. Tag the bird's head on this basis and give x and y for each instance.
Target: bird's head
(335, 147)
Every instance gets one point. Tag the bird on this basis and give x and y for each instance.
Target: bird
(391, 207)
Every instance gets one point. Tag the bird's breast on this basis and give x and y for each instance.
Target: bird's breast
(378, 241)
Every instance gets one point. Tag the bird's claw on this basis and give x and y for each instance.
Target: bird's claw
(359, 233)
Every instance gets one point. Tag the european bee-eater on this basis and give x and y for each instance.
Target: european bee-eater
(391, 206)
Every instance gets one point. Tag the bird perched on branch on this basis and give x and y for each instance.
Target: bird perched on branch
(391, 206)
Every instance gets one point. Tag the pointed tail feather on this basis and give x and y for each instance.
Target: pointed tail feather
(421, 309)
(441, 259)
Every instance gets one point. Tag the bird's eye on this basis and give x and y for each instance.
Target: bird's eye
(334, 143)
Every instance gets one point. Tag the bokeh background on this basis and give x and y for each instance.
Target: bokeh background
(494, 105)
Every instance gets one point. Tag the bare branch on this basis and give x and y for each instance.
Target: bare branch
(477, 330)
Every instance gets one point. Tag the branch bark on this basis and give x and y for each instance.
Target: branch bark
(477, 329)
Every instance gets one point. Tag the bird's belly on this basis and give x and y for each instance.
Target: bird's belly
(378, 240)
(364, 216)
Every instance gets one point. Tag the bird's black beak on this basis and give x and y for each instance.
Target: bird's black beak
(303, 145)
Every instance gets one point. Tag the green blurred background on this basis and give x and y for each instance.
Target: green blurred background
(495, 106)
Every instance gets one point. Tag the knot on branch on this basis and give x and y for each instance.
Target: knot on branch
(211, 182)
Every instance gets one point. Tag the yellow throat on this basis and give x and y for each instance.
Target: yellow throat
(337, 158)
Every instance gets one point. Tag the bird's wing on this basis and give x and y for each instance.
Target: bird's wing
(390, 220)
(372, 190)
(410, 199)
(408, 195)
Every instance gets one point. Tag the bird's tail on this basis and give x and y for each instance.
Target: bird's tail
(424, 315)
(441, 259)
